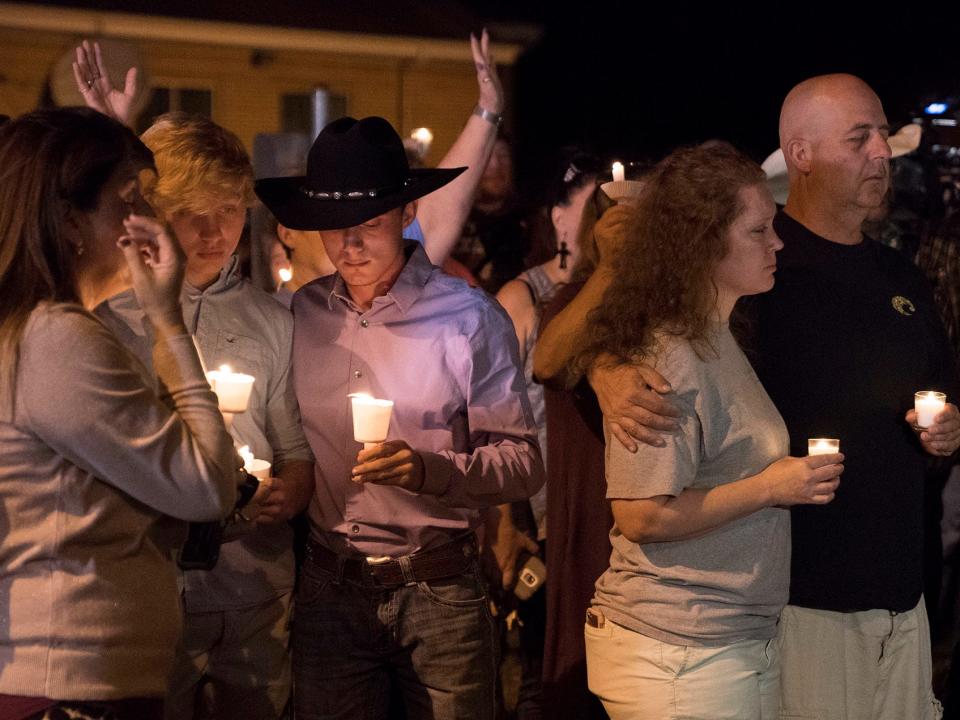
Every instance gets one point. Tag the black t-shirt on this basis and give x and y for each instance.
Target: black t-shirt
(841, 343)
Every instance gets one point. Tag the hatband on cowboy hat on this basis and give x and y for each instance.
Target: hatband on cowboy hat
(356, 170)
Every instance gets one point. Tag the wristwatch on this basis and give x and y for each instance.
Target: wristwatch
(246, 489)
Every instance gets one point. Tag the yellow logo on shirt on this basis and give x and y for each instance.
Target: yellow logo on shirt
(903, 305)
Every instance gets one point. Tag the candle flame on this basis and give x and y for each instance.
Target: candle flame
(247, 456)
(422, 135)
(225, 369)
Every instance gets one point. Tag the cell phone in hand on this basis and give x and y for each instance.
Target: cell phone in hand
(532, 575)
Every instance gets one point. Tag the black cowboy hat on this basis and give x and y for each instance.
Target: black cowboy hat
(356, 170)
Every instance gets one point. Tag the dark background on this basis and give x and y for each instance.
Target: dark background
(633, 81)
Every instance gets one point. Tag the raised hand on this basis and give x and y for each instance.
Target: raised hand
(491, 91)
(94, 84)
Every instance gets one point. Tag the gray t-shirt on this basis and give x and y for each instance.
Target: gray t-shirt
(731, 583)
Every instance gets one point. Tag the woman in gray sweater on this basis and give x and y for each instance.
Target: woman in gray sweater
(683, 623)
(92, 457)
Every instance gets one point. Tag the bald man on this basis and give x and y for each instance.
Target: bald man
(847, 335)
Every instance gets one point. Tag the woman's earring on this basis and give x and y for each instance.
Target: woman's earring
(79, 249)
(563, 253)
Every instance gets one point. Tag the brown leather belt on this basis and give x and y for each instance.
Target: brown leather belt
(454, 558)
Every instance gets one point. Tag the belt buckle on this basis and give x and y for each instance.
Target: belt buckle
(378, 559)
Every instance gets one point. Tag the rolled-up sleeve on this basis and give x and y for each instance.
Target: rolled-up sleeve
(283, 428)
(504, 463)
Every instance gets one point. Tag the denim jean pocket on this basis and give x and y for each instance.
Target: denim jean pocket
(459, 591)
(312, 583)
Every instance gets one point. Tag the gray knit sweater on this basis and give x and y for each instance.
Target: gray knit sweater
(90, 463)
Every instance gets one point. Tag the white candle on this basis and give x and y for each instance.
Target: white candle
(285, 273)
(371, 418)
(618, 173)
(260, 469)
(822, 446)
(232, 389)
(928, 404)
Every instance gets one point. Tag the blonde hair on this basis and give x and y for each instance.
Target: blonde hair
(199, 163)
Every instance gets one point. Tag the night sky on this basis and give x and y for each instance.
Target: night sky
(632, 82)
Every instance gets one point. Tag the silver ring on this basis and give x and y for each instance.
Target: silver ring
(486, 79)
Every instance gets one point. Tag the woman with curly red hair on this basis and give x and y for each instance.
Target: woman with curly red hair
(683, 623)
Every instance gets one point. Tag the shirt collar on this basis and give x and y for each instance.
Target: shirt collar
(229, 276)
(406, 288)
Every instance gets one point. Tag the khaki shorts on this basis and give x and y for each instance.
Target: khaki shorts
(870, 665)
(639, 678)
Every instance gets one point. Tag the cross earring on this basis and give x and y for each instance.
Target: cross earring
(563, 253)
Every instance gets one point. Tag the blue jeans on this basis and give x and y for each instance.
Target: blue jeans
(351, 642)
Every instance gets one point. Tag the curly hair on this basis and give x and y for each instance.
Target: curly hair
(664, 279)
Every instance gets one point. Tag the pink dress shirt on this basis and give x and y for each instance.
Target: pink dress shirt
(446, 354)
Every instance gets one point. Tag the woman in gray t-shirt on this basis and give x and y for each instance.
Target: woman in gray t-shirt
(683, 622)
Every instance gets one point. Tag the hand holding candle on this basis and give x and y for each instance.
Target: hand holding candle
(936, 421)
(392, 462)
(802, 480)
(260, 469)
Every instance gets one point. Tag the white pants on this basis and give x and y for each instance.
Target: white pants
(638, 678)
(870, 665)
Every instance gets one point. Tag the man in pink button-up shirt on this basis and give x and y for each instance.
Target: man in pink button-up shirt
(390, 590)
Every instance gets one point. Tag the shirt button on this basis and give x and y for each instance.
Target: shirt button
(357, 374)
(355, 529)
(364, 323)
